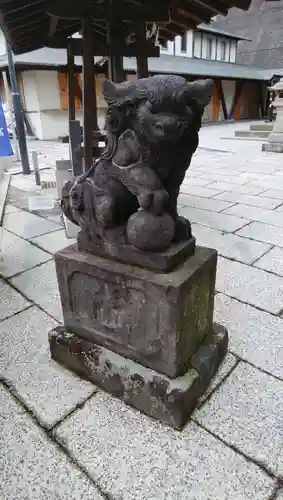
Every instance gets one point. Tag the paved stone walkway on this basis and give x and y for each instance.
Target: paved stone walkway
(61, 438)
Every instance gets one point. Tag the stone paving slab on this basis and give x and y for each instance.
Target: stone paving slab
(190, 180)
(248, 284)
(272, 261)
(53, 242)
(225, 368)
(204, 203)
(132, 457)
(32, 466)
(11, 302)
(246, 412)
(218, 177)
(40, 286)
(257, 201)
(254, 335)
(18, 255)
(28, 225)
(230, 245)
(199, 191)
(226, 186)
(256, 214)
(263, 232)
(207, 218)
(48, 390)
(10, 209)
(273, 193)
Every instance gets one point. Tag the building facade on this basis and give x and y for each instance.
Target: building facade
(239, 91)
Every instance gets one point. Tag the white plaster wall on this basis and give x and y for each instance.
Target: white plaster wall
(2, 44)
(30, 91)
(197, 45)
(225, 40)
(189, 51)
(233, 51)
(48, 90)
(169, 49)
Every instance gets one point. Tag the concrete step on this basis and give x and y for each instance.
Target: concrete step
(252, 133)
(261, 127)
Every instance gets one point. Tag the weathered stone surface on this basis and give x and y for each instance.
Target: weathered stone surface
(32, 466)
(28, 225)
(272, 261)
(230, 245)
(251, 285)
(53, 242)
(206, 204)
(235, 188)
(48, 390)
(132, 457)
(11, 302)
(40, 285)
(246, 412)
(168, 400)
(19, 255)
(263, 232)
(158, 261)
(256, 201)
(156, 319)
(227, 365)
(254, 335)
(257, 214)
(220, 221)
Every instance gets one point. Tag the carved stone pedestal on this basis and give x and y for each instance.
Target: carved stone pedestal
(145, 336)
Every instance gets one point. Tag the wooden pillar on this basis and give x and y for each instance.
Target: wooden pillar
(142, 62)
(89, 93)
(71, 83)
(115, 63)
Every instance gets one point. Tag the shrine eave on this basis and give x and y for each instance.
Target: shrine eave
(31, 24)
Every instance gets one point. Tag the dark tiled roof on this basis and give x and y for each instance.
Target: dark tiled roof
(54, 58)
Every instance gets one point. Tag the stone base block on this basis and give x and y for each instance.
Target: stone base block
(168, 400)
(273, 147)
(157, 261)
(156, 319)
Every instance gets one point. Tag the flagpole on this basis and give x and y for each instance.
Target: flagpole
(18, 112)
(10, 111)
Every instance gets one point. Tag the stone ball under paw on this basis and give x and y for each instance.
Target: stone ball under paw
(150, 232)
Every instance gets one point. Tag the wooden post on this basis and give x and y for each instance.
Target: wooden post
(115, 63)
(89, 93)
(71, 83)
(142, 63)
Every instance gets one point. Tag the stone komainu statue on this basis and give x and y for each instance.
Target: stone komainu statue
(129, 196)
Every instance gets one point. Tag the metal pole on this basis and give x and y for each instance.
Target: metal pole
(10, 111)
(18, 113)
(36, 167)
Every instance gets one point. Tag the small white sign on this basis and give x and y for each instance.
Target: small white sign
(40, 203)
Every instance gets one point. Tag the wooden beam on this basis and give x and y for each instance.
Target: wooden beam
(238, 91)
(115, 61)
(71, 84)
(16, 6)
(130, 12)
(89, 95)
(215, 103)
(52, 26)
(142, 63)
(216, 6)
(101, 48)
(222, 98)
